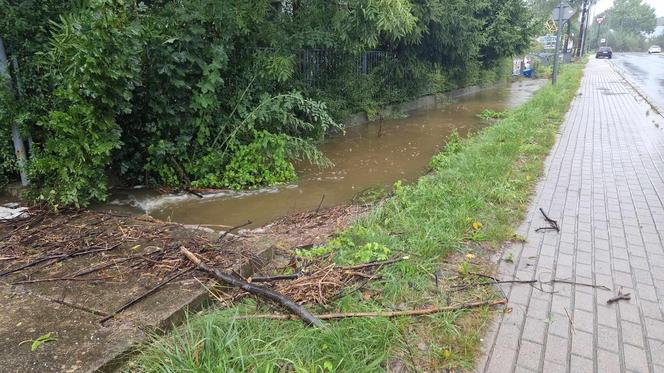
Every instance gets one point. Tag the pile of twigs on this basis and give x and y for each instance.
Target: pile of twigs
(324, 281)
(110, 242)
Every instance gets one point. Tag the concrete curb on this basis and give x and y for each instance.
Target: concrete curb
(196, 302)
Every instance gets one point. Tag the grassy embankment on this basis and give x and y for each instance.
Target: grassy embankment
(478, 191)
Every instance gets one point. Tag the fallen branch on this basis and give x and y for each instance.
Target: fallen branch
(553, 225)
(550, 282)
(270, 294)
(53, 279)
(294, 276)
(58, 258)
(415, 312)
(232, 229)
(321, 203)
(188, 190)
(143, 296)
(100, 267)
(620, 296)
(373, 264)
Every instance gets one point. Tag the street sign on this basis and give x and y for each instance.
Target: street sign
(547, 41)
(563, 11)
(599, 20)
(602, 40)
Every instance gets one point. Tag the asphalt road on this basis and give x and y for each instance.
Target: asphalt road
(645, 71)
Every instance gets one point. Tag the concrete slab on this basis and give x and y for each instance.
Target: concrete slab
(72, 310)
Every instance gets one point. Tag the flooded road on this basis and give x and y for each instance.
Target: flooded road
(367, 156)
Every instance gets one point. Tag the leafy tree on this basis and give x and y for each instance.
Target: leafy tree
(631, 16)
(626, 22)
(213, 93)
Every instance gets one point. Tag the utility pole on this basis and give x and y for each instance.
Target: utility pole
(585, 33)
(582, 28)
(19, 146)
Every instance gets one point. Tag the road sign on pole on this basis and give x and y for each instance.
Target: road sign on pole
(563, 10)
(560, 14)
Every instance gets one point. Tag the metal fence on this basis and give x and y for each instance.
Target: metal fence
(316, 66)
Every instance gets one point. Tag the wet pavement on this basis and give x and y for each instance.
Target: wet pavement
(604, 184)
(646, 72)
(368, 156)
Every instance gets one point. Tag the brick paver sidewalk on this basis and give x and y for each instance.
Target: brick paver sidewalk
(604, 184)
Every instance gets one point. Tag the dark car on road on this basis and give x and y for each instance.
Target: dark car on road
(604, 52)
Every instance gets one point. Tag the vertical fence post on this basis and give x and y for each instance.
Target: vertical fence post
(19, 146)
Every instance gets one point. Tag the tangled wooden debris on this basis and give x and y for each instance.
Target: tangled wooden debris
(112, 247)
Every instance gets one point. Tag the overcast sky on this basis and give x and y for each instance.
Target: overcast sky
(603, 5)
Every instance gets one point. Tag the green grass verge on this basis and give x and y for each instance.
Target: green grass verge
(477, 192)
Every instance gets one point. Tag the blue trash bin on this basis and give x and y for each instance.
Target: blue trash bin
(528, 73)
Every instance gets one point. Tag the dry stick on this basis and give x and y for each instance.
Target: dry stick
(232, 229)
(270, 294)
(496, 281)
(620, 296)
(415, 312)
(188, 190)
(53, 279)
(373, 264)
(552, 223)
(101, 267)
(321, 203)
(144, 295)
(57, 258)
(294, 276)
(534, 281)
(75, 306)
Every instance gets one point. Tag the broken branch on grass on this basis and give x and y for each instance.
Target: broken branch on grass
(270, 294)
(553, 225)
(373, 264)
(232, 229)
(495, 280)
(414, 312)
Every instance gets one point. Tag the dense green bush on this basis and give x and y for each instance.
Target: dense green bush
(214, 93)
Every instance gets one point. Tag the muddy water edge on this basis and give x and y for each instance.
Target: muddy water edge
(368, 156)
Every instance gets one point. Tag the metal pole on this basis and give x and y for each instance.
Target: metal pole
(585, 34)
(19, 147)
(554, 76)
(582, 28)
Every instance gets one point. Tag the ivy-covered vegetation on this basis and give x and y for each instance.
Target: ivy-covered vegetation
(223, 93)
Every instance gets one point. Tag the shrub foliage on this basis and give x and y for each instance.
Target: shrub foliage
(216, 93)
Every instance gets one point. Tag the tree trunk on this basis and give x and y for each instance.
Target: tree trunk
(19, 147)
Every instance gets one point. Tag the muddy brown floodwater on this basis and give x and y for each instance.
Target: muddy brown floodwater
(367, 156)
